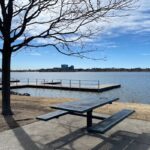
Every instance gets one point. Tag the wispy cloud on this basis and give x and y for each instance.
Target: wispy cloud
(103, 44)
(135, 20)
(35, 54)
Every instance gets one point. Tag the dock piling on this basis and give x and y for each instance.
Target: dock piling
(28, 81)
(61, 83)
(79, 83)
(36, 81)
(70, 83)
(98, 84)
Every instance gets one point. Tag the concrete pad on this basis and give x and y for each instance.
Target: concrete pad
(69, 133)
(145, 138)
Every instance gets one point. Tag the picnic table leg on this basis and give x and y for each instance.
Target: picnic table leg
(89, 118)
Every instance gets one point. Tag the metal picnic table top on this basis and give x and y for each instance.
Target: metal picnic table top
(82, 106)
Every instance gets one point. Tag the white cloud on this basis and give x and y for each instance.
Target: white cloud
(103, 44)
(35, 54)
(136, 21)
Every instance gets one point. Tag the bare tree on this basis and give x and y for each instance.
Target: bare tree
(56, 23)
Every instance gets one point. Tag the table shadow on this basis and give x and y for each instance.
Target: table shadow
(120, 140)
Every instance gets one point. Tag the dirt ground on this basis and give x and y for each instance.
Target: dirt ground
(26, 108)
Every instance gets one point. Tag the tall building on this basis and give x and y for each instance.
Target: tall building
(71, 67)
(64, 66)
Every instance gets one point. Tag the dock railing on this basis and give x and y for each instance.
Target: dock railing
(62, 82)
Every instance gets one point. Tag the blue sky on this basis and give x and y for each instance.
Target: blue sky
(125, 50)
(124, 42)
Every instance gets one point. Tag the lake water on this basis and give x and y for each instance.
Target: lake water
(135, 86)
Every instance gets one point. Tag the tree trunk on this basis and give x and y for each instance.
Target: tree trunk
(6, 61)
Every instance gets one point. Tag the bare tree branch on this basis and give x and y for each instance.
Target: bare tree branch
(66, 20)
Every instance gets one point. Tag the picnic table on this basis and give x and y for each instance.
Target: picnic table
(81, 107)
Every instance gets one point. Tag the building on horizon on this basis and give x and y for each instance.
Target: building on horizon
(71, 67)
(66, 67)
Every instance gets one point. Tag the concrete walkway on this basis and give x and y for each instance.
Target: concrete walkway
(68, 133)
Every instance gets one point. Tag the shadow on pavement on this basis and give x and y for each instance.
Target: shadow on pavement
(120, 140)
(24, 139)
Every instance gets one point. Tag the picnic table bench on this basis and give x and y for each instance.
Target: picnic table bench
(51, 115)
(87, 106)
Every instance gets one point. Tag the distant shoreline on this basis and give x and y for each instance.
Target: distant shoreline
(86, 70)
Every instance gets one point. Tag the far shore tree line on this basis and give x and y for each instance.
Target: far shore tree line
(85, 70)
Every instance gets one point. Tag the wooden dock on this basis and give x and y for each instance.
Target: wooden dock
(102, 88)
(64, 84)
